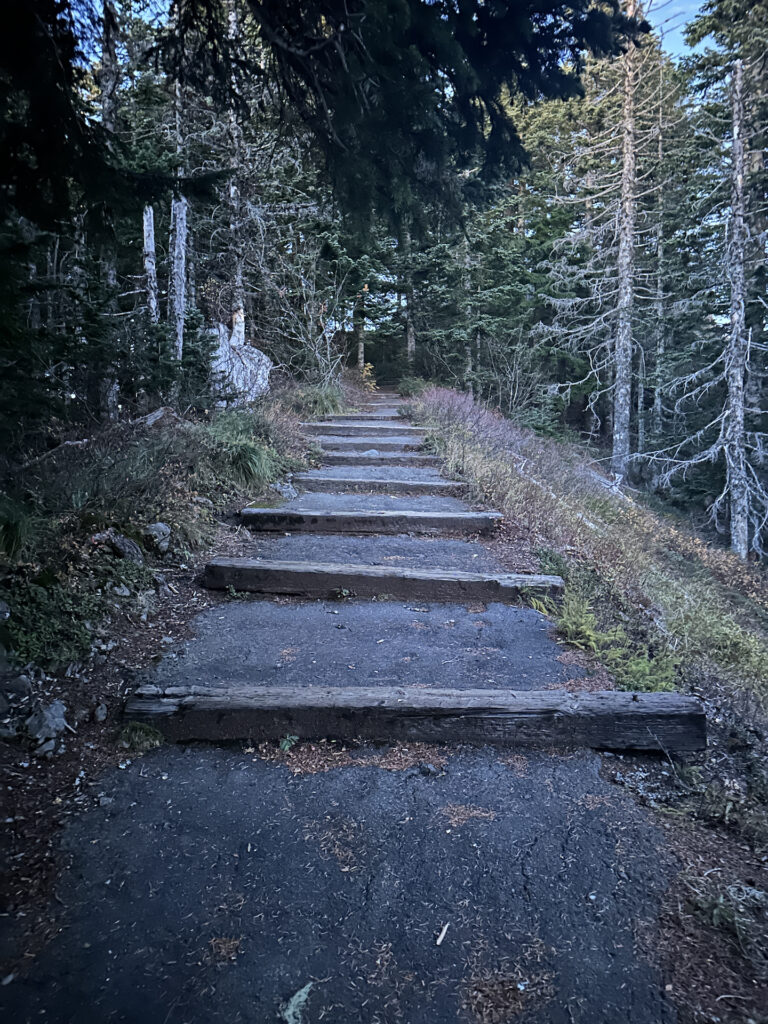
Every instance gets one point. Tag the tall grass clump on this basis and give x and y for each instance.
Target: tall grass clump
(695, 603)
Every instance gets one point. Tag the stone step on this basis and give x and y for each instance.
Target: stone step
(326, 580)
(370, 485)
(333, 442)
(381, 430)
(606, 720)
(353, 458)
(388, 522)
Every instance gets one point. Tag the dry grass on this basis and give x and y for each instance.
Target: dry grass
(708, 608)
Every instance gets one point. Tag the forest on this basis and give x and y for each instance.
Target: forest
(384, 361)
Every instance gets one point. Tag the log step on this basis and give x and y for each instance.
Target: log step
(347, 485)
(388, 415)
(329, 579)
(364, 429)
(296, 521)
(388, 459)
(404, 442)
(606, 720)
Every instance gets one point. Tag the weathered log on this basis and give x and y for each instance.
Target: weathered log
(539, 718)
(347, 485)
(296, 521)
(326, 579)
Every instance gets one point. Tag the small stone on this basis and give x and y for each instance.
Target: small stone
(105, 801)
(7, 732)
(158, 536)
(5, 611)
(371, 451)
(205, 502)
(18, 684)
(120, 545)
(428, 769)
(285, 490)
(120, 590)
(100, 712)
(48, 722)
(46, 748)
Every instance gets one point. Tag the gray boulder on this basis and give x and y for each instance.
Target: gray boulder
(47, 723)
(120, 545)
(157, 536)
(285, 490)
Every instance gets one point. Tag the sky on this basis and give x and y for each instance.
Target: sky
(671, 17)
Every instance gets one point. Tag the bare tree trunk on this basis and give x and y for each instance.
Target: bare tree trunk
(622, 388)
(177, 291)
(657, 414)
(108, 81)
(235, 224)
(410, 330)
(150, 264)
(178, 282)
(738, 343)
(358, 326)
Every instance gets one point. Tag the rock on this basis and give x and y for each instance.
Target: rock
(5, 613)
(120, 545)
(105, 801)
(205, 502)
(147, 601)
(100, 712)
(158, 536)
(287, 491)
(428, 769)
(240, 370)
(162, 417)
(4, 705)
(7, 732)
(17, 684)
(47, 723)
(371, 451)
(120, 590)
(46, 748)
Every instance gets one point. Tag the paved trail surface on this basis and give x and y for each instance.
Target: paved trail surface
(213, 884)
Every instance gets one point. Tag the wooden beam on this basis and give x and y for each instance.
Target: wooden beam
(365, 429)
(347, 485)
(392, 459)
(386, 522)
(610, 720)
(327, 579)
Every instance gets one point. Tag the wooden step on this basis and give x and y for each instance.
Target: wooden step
(357, 444)
(365, 429)
(348, 485)
(295, 521)
(387, 459)
(607, 720)
(374, 417)
(327, 580)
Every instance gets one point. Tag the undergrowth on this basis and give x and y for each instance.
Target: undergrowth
(58, 581)
(654, 601)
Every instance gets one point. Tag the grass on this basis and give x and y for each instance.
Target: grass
(651, 598)
(58, 583)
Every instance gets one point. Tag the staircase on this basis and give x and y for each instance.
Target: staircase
(378, 482)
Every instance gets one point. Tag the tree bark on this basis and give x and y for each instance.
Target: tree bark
(738, 343)
(178, 283)
(622, 388)
(657, 413)
(177, 291)
(150, 264)
(410, 330)
(358, 326)
(235, 217)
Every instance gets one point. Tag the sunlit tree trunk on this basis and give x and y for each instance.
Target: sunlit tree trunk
(659, 305)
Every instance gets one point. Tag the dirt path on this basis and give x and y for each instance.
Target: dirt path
(398, 883)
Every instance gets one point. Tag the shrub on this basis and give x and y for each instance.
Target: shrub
(412, 387)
